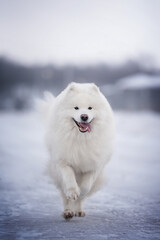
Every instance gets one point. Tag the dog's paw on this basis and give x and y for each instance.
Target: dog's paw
(68, 214)
(80, 214)
(72, 194)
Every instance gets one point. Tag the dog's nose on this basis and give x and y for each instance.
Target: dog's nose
(84, 117)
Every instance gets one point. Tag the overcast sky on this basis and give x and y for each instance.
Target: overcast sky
(79, 31)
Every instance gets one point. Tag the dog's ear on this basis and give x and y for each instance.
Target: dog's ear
(94, 87)
(72, 86)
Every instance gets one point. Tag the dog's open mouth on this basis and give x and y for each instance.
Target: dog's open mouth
(83, 127)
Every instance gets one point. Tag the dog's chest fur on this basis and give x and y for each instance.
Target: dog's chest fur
(83, 156)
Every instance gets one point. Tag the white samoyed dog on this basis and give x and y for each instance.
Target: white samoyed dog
(80, 138)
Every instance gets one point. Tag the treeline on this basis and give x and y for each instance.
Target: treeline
(13, 74)
(19, 83)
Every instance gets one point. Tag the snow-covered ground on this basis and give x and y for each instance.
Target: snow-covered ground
(127, 208)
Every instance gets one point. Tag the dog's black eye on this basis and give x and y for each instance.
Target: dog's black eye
(90, 108)
(76, 108)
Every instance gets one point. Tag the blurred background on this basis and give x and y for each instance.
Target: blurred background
(46, 44)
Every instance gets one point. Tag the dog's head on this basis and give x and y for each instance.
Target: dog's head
(83, 105)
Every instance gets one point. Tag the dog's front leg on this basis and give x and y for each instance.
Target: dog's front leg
(87, 182)
(70, 187)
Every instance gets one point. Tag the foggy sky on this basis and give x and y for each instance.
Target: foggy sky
(79, 31)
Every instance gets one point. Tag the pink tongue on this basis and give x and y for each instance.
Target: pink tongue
(85, 127)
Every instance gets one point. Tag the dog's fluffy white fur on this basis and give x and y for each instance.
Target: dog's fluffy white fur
(79, 136)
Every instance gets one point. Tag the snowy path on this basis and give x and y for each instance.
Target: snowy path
(128, 208)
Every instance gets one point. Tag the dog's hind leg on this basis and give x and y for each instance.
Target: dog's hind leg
(78, 209)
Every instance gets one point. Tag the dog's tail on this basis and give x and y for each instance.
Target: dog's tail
(44, 106)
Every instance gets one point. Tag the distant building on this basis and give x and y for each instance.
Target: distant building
(140, 92)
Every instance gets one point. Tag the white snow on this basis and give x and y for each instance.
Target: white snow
(127, 208)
